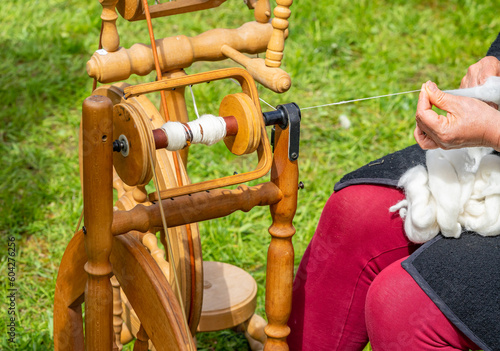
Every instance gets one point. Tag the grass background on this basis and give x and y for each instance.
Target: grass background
(336, 51)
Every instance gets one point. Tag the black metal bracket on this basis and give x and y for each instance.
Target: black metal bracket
(287, 115)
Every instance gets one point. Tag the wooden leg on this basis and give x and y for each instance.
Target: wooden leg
(97, 131)
(253, 328)
(280, 255)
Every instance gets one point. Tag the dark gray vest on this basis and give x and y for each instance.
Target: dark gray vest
(461, 276)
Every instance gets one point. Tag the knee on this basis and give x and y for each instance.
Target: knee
(400, 316)
(389, 309)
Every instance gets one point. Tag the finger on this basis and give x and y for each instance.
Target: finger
(478, 73)
(426, 118)
(423, 140)
(424, 103)
(428, 123)
(439, 98)
(487, 71)
(469, 80)
(465, 82)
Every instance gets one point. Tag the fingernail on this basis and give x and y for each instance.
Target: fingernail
(431, 86)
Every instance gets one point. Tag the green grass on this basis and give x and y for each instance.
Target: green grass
(336, 51)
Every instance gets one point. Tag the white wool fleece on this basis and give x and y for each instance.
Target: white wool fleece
(459, 190)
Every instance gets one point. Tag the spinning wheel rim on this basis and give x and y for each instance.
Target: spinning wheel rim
(128, 254)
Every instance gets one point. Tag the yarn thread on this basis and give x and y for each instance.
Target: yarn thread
(194, 102)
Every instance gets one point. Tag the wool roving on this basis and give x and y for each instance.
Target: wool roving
(457, 190)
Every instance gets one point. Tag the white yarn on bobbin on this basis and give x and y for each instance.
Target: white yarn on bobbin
(176, 134)
(208, 130)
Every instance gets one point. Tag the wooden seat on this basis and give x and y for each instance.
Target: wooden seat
(229, 296)
(229, 301)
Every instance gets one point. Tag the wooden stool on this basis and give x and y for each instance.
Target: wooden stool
(229, 301)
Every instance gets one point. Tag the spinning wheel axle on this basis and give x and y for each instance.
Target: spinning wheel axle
(279, 117)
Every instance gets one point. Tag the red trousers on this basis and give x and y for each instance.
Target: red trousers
(339, 298)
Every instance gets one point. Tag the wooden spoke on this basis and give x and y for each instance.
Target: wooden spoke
(276, 45)
(110, 38)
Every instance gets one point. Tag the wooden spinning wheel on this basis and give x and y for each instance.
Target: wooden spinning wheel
(128, 197)
(154, 297)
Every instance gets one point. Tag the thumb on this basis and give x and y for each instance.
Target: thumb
(439, 98)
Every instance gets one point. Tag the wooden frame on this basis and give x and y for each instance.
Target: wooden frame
(109, 244)
(248, 87)
(132, 10)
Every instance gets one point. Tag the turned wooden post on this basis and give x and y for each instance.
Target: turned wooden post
(117, 314)
(276, 45)
(279, 278)
(151, 242)
(97, 132)
(110, 38)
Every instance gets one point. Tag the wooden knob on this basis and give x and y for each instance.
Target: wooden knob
(262, 11)
(271, 77)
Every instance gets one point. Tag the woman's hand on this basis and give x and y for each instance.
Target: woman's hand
(468, 122)
(478, 73)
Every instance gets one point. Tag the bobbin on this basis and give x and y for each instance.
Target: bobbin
(134, 136)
